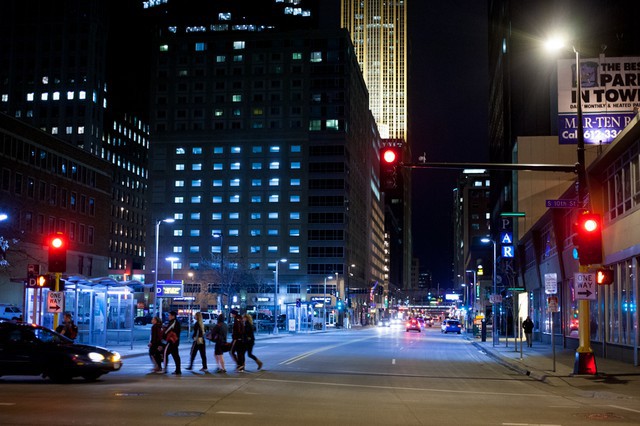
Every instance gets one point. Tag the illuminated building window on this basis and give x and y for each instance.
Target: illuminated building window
(256, 182)
(196, 183)
(216, 216)
(194, 232)
(178, 200)
(274, 198)
(274, 148)
(179, 166)
(164, 47)
(316, 57)
(216, 182)
(272, 232)
(234, 198)
(44, 96)
(234, 215)
(294, 215)
(82, 95)
(81, 130)
(196, 150)
(294, 199)
(218, 166)
(195, 216)
(256, 215)
(218, 150)
(256, 149)
(256, 199)
(255, 232)
(315, 125)
(70, 95)
(255, 249)
(234, 182)
(256, 166)
(179, 183)
(294, 232)
(196, 166)
(221, 58)
(294, 249)
(272, 249)
(200, 47)
(274, 182)
(296, 56)
(196, 199)
(295, 165)
(235, 166)
(56, 96)
(273, 215)
(236, 150)
(216, 199)
(180, 151)
(294, 182)
(218, 112)
(234, 232)
(274, 165)
(238, 45)
(236, 98)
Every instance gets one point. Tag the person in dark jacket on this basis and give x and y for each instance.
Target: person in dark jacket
(172, 338)
(219, 333)
(237, 345)
(527, 326)
(156, 349)
(250, 339)
(198, 343)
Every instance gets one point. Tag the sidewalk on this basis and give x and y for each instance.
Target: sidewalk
(538, 361)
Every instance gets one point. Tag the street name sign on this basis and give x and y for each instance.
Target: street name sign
(584, 285)
(561, 204)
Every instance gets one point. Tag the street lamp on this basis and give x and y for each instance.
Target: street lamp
(155, 282)
(172, 260)
(324, 304)
(221, 267)
(275, 297)
(494, 330)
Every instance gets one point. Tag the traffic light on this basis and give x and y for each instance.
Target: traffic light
(339, 305)
(588, 238)
(58, 252)
(604, 276)
(389, 160)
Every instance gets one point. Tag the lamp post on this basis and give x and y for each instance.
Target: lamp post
(494, 328)
(585, 361)
(221, 267)
(472, 288)
(324, 304)
(158, 307)
(172, 260)
(275, 297)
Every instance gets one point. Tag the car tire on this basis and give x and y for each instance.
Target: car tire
(60, 377)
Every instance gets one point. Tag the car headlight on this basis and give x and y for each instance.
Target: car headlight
(95, 357)
(115, 357)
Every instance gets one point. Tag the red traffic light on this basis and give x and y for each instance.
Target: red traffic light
(604, 276)
(588, 238)
(58, 253)
(389, 155)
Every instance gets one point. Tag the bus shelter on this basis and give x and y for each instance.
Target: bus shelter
(102, 308)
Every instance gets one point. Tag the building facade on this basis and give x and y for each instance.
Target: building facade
(264, 149)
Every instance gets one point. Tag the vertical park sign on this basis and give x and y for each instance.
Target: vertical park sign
(610, 97)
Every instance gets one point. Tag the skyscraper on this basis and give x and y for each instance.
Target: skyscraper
(263, 148)
(378, 31)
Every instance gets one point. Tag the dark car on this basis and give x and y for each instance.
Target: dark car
(32, 350)
(413, 324)
(451, 326)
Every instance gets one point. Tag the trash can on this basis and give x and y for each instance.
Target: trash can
(483, 333)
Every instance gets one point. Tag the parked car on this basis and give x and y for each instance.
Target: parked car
(413, 324)
(450, 326)
(33, 350)
(10, 312)
(209, 320)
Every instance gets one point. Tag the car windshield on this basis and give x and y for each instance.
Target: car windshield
(48, 336)
(453, 323)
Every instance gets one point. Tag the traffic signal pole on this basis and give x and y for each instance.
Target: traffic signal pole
(57, 287)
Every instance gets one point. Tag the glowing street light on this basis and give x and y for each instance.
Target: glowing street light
(158, 309)
(494, 330)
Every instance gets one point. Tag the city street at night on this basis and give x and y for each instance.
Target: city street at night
(357, 376)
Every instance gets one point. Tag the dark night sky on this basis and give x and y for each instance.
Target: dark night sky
(448, 110)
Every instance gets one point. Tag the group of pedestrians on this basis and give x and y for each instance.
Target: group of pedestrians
(165, 341)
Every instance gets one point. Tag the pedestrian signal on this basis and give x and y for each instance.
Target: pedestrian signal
(604, 276)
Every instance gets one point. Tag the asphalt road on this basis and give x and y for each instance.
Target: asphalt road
(352, 377)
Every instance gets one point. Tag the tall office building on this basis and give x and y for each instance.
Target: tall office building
(378, 30)
(54, 76)
(263, 149)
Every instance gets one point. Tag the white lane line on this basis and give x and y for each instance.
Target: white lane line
(325, 348)
(235, 413)
(7, 403)
(393, 361)
(624, 408)
(528, 424)
(349, 385)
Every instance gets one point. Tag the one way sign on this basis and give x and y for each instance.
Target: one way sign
(584, 285)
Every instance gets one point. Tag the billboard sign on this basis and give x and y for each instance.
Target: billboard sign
(610, 93)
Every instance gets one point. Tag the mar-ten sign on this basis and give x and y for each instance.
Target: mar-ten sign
(610, 92)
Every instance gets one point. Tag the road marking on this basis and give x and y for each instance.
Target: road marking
(235, 413)
(322, 349)
(7, 403)
(393, 361)
(624, 408)
(528, 424)
(439, 390)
